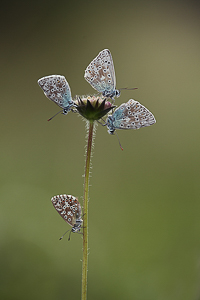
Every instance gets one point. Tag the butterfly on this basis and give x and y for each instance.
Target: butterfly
(101, 74)
(56, 88)
(69, 209)
(130, 115)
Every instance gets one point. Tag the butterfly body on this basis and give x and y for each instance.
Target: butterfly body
(69, 209)
(111, 95)
(56, 88)
(100, 74)
(130, 115)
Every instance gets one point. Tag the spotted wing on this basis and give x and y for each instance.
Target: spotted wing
(101, 73)
(132, 115)
(68, 208)
(56, 88)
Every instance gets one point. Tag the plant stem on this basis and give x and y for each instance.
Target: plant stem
(85, 212)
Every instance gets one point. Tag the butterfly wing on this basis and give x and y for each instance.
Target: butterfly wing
(68, 208)
(56, 88)
(101, 73)
(132, 115)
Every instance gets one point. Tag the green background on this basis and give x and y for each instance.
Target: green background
(144, 209)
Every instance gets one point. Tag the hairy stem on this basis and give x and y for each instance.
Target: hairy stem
(85, 212)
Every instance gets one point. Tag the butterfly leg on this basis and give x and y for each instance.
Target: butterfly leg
(101, 123)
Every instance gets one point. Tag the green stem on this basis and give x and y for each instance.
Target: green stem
(85, 212)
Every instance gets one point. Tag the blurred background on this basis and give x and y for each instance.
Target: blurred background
(144, 210)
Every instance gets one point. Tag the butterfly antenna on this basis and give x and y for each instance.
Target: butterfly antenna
(128, 89)
(119, 141)
(69, 235)
(54, 115)
(64, 234)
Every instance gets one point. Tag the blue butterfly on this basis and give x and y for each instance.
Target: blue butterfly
(130, 115)
(69, 209)
(101, 74)
(56, 88)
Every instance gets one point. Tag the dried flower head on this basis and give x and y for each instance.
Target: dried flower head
(92, 107)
